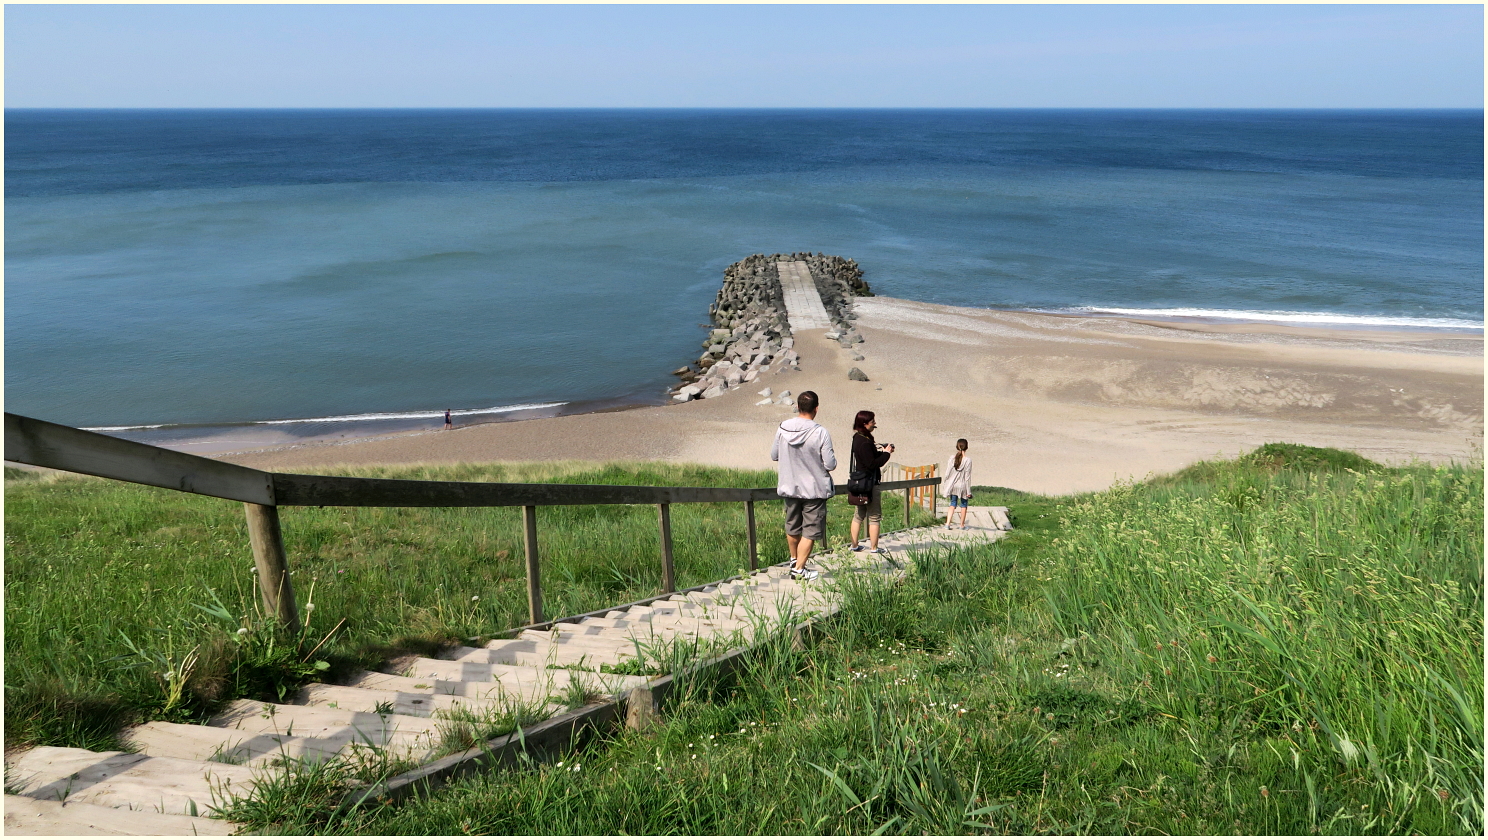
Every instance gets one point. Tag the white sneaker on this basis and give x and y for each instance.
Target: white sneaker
(804, 574)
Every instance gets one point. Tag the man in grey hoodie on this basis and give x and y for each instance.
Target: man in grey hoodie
(804, 450)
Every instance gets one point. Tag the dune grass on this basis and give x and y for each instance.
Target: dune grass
(1288, 643)
(1261, 646)
(126, 603)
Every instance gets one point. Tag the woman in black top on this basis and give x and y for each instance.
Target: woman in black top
(869, 456)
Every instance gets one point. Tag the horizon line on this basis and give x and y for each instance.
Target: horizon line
(743, 108)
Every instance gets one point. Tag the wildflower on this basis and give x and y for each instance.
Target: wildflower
(1212, 658)
(694, 755)
(1442, 795)
(309, 608)
(1265, 794)
(475, 597)
(242, 631)
(560, 764)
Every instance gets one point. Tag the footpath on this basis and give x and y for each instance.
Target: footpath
(179, 774)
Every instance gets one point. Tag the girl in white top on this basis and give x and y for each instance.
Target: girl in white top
(957, 484)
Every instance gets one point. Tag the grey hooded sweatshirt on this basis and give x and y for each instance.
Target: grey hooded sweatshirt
(804, 450)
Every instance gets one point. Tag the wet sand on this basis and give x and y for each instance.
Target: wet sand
(1049, 403)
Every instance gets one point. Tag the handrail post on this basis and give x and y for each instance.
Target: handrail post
(934, 495)
(753, 537)
(907, 491)
(267, 539)
(668, 574)
(534, 572)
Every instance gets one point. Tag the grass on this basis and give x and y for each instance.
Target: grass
(1250, 647)
(1288, 643)
(127, 603)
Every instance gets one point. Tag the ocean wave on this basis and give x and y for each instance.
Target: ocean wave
(1310, 318)
(351, 418)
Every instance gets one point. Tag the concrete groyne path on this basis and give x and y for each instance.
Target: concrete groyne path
(803, 303)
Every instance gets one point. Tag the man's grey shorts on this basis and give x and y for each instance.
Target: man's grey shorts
(806, 518)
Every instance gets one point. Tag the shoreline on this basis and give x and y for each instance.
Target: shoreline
(252, 436)
(247, 438)
(1051, 403)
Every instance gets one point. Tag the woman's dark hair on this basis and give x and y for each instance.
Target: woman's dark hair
(960, 448)
(860, 422)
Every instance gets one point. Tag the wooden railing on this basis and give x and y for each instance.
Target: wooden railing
(922, 495)
(42, 444)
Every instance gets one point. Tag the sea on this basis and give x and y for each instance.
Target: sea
(178, 273)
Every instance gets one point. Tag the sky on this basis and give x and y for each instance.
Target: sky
(709, 56)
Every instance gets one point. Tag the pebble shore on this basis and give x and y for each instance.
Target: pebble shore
(752, 333)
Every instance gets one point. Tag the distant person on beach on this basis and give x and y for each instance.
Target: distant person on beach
(804, 450)
(448, 424)
(957, 484)
(869, 456)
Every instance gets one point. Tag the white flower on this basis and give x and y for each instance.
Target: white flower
(560, 764)
(309, 608)
(475, 597)
(242, 631)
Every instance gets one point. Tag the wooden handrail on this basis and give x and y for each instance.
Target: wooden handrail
(42, 444)
(58, 447)
(54, 446)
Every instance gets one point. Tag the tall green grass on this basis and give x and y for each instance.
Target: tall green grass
(1019, 687)
(126, 602)
(1336, 613)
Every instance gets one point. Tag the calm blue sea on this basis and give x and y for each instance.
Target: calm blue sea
(206, 267)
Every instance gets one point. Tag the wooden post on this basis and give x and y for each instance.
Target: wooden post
(907, 491)
(668, 574)
(534, 572)
(269, 560)
(753, 537)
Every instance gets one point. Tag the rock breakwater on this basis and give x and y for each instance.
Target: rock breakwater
(752, 332)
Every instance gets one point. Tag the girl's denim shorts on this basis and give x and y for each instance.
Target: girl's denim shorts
(957, 501)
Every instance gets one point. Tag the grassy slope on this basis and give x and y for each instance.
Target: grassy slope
(1275, 645)
(1246, 647)
(125, 602)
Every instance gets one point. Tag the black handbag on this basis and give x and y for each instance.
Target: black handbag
(860, 483)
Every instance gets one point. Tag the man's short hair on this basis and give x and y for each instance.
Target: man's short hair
(806, 402)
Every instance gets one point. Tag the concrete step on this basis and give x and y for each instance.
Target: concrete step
(599, 638)
(417, 704)
(533, 691)
(25, 816)
(537, 655)
(228, 746)
(127, 780)
(515, 675)
(403, 735)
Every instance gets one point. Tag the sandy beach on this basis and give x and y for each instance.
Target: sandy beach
(1049, 403)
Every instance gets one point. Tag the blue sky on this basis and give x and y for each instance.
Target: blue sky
(1287, 56)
